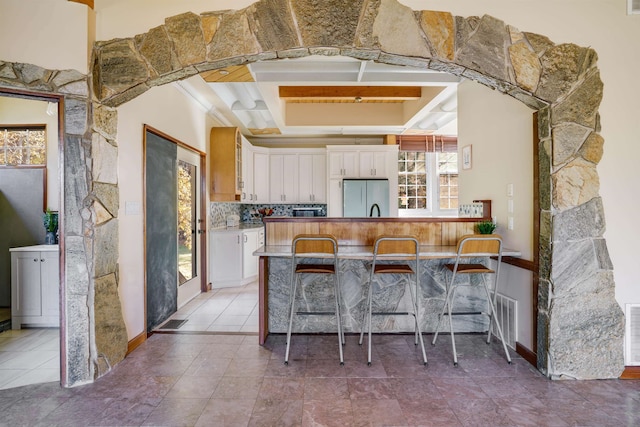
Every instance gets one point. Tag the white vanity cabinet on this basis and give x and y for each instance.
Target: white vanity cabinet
(35, 286)
(231, 256)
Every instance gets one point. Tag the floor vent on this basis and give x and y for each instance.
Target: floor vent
(632, 335)
(633, 7)
(173, 324)
(507, 310)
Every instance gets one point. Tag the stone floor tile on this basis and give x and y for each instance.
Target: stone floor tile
(246, 367)
(459, 388)
(327, 413)
(529, 411)
(226, 413)
(326, 389)
(238, 388)
(427, 411)
(376, 412)
(479, 412)
(194, 387)
(176, 412)
(30, 411)
(125, 412)
(502, 387)
(276, 412)
(370, 388)
(414, 388)
(277, 368)
(324, 368)
(282, 388)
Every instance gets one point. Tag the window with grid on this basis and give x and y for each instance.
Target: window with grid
(427, 183)
(23, 145)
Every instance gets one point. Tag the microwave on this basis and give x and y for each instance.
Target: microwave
(307, 212)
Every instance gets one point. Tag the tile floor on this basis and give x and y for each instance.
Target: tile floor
(229, 380)
(221, 310)
(29, 356)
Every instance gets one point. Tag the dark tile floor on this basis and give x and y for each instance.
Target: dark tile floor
(229, 380)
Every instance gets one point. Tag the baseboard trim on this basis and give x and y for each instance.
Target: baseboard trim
(630, 373)
(136, 342)
(527, 354)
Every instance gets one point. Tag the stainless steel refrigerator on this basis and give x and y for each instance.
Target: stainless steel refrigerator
(365, 197)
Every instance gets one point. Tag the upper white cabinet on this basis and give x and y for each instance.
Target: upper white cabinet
(312, 182)
(343, 164)
(260, 175)
(246, 195)
(35, 286)
(283, 172)
(373, 164)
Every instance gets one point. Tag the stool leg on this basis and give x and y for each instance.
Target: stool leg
(453, 340)
(444, 308)
(292, 298)
(338, 317)
(498, 327)
(414, 299)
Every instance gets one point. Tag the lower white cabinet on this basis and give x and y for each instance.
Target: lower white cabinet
(35, 286)
(232, 262)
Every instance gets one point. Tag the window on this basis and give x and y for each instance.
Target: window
(23, 145)
(427, 183)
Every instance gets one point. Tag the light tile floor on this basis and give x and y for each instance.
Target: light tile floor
(229, 380)
(232, 309)
(29, 356)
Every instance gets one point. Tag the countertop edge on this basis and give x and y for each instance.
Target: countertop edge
(36, 248)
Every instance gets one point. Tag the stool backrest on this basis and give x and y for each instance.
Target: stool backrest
(480, 244)
(314, 244)
(396, 245)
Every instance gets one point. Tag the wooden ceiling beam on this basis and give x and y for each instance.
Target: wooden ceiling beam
(235, 73)
(87, 2)
(297, 93)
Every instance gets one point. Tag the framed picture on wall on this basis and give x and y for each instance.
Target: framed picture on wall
(466, 157)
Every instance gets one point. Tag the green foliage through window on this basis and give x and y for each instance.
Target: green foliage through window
(23, 145)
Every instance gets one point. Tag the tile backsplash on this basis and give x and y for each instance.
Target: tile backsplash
(220, 210)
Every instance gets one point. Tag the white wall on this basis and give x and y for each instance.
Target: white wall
(166, 109)
(52, 34)
(500, 132)
(15, 111)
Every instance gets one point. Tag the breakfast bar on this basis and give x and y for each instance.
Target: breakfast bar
(437, 237)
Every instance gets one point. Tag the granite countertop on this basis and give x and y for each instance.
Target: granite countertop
(242, 226)
(37, 248)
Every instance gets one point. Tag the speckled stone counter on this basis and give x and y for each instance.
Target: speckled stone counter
(390, 293)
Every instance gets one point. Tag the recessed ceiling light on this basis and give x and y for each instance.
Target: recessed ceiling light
(223, 72)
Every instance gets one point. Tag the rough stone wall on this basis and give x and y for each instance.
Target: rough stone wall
(93, 330)
(580, 324)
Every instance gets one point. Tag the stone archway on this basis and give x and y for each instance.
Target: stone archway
(581, 326)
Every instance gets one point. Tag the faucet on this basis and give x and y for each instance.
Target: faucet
(375, 205)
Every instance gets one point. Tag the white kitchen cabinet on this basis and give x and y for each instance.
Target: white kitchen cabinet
(312, 178)
(343, 164)
(247, 191)
(283, 173)
(232, 262)
(334, 205)
(252, 240)
(260, 175)
(35, 286)
(373, 164)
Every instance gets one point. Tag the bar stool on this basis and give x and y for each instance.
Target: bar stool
(390, 249)
(309, 246)
(474, 246)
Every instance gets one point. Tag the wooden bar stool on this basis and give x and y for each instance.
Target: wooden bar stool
(387, 252)
(311, 247)
(469, 247)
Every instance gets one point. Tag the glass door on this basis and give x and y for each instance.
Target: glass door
(189, 248)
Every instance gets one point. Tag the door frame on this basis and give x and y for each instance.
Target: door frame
(202, 227)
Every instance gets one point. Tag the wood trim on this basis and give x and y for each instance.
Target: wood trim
(136, 342)
(518, 262)
(303, 219)
(316, 93)
(536, 233)
(263, 299)
(631, 373)
(202, 225)
(86, 2)
(527, 354)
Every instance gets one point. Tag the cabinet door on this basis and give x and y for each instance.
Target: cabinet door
(226, 256)
(305, 178)
(334, 207)
(343, 164)
(50, 282)
(249, 246)
(26, 298)
(319, 181)
(373, 164)
(260, 177)
(225, 163)
(290, 178)
(276, 189)
(246, 195)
